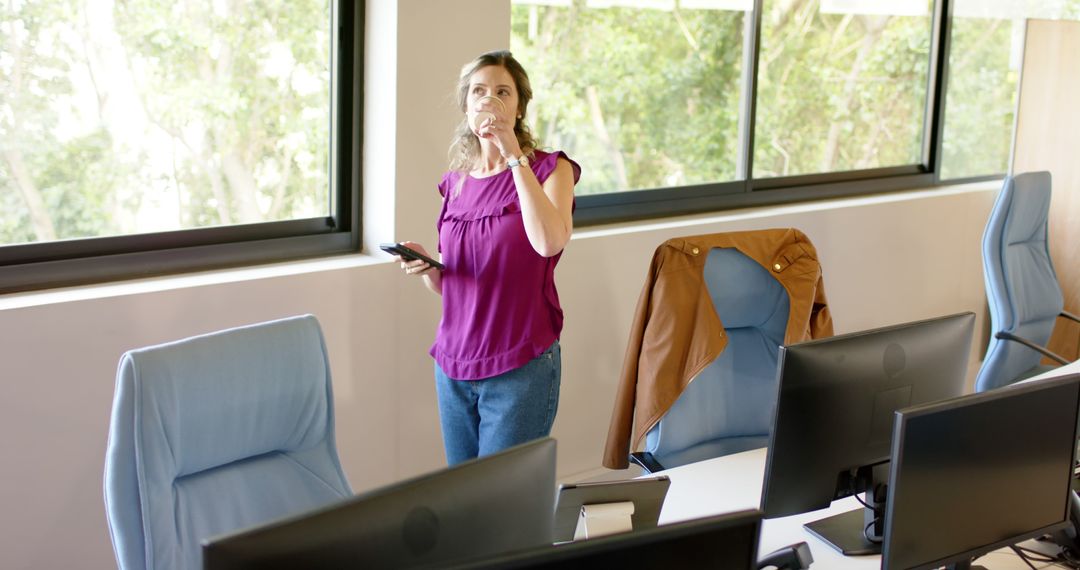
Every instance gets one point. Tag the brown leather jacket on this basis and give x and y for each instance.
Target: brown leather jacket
(676, 332)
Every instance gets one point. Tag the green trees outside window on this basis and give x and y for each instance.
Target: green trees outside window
(984, 73)
(126, 117)
(646, 98)
(841, 89)
(649, 93)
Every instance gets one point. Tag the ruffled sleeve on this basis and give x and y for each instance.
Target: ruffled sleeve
(545, 163)
(445, 185)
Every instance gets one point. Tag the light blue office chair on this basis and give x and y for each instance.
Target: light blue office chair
(217, 432)
(1021, 285)
(729, 407)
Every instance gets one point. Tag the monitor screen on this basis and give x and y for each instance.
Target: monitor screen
(494, 504)
(980, 472)
(833, 424)
(727, 541)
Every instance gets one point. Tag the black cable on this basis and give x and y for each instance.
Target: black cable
(1035, 554)
(1069, 558)
(1066, 557)
(1020, 552)
(877, 512)
(866, 530)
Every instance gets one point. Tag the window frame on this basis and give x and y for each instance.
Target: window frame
(596, 209)
(33, 266)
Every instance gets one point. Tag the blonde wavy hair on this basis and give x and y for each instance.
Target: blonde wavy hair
(464, 149)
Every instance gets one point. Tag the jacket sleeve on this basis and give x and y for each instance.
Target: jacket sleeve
(617, 448)
(821, 324)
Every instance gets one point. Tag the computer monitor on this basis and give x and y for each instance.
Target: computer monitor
(977, 473)
(834, 416)
(727, 541)
(494, 504)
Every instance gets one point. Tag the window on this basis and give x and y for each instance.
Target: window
(648, 94)
(841, 85)
(980, 104)
(683, 106)
(987, 46)
(214, 130)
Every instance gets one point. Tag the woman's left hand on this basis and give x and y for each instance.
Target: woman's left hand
(501, 132)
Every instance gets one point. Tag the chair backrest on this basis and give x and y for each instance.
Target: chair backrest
(218, 432)
(1021, 285)
(729, 406)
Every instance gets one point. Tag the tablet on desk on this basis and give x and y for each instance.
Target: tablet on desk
(646, 494)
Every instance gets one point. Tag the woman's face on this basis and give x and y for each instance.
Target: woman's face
(492, 81)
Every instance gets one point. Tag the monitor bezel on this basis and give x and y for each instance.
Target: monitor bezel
(915, 412)
(569, 553)
(221, 551)
(770, 460)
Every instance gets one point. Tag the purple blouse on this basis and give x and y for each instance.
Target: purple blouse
(500, 307)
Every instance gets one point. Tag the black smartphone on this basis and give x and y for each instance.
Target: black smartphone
(410, 254)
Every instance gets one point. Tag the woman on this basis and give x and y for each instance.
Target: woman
(506, 217)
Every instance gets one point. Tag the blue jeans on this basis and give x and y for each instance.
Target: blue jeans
(481, 417)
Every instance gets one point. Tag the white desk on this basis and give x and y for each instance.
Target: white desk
(733, 483)
(1062, 370)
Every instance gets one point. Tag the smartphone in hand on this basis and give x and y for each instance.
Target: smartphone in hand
(409, 254)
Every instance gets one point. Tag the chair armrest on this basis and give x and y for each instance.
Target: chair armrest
(646, 461)
(1069, 316)
(1032, 346)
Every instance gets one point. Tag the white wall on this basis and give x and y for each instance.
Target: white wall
(886, 260)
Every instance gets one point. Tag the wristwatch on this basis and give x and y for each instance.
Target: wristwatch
(515, 162)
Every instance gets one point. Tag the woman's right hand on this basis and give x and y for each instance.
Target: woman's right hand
(414, 266)
(432, 277)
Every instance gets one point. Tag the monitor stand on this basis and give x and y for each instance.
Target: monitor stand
(844, 532)
(859, 532)
(603, 519)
